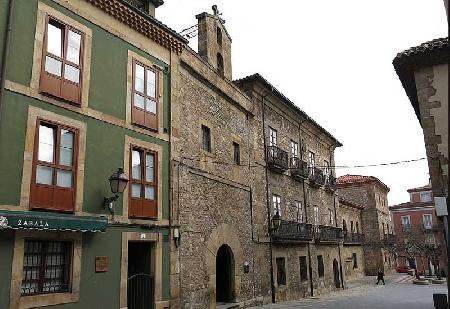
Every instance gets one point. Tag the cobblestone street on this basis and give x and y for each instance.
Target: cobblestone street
(398, 293)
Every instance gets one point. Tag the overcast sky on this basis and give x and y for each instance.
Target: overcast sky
(334, 60)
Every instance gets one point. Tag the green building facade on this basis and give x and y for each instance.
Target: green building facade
(86, 91)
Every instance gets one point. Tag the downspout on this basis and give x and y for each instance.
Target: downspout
(6, 48)
(311, 285)
(272, 283)
(336, 224)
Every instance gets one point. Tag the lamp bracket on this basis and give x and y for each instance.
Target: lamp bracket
(108, 202)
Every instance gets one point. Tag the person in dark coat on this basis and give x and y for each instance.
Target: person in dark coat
(380, 276)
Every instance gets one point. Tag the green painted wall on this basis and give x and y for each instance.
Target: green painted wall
(6, 254)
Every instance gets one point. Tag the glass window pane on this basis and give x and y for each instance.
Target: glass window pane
(138, 101)
(139, 78)
(64, 178)
(66, 148)
(149, 167)
(73, 47)
(71, 73)
(44, 175)
(52, 66)
(54, 39)
(46, 143)
(135, 190)
(149, 192)
(151, 83)
(136, 164)
(150, 106)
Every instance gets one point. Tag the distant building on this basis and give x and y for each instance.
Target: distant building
(418, 216)
(376, 225)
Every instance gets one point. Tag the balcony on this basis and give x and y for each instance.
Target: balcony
(353, 239)
(277, 159)
(325, 234)
(292, 232)
(299, 169)
(316, 177)
(330, 184)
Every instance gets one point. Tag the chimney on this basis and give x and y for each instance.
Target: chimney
(147, 6)
(214, 42)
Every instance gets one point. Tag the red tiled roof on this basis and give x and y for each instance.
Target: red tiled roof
(348, 179)
(423, 188)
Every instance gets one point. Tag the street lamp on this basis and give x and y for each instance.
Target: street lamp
(118, 182)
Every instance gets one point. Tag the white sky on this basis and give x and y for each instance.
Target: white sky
(334, 60)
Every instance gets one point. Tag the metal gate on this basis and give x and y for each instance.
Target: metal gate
(140, 294)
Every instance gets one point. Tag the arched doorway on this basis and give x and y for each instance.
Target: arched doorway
(224, 275)
(337, 281)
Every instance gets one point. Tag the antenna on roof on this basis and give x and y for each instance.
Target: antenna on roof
(190, 32)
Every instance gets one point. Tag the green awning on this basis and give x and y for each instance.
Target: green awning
(37, 220)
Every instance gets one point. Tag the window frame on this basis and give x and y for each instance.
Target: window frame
(355, 260)
(430, 225)
(300, 217)
(294, 149)
(303, 271)
(54, 165)
(68, 267)
(311, 162)
(64, 47)
(276, 204)
(236, 153)
(206, 139)
(150, 117)
(409, 221)
(273, 137)
(426, 193)
(280, 262)
(133, 211)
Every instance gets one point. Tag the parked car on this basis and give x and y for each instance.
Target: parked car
(403, 269)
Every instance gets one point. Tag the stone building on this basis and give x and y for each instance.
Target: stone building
(371, 194)
(417, 219)
(350, 219)
(423, 72)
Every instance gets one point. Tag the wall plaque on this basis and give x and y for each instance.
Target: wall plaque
(101, 264)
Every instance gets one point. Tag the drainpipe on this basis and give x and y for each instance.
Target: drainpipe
(272, 283)
(311, 285)
(6, 47)
(336, 224)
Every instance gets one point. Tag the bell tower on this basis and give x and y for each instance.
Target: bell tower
(214, 42)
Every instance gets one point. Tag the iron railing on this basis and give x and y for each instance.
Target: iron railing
(328, 233)
(353, 238)
(277, 159)
(140, 294)
(299, 169)
(291, 232)
(330, 183)
(316, 176)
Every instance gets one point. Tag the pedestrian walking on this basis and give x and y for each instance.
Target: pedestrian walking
(380, 276)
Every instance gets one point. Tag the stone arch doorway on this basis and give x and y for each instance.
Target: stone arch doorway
(224, 275)
(337, 281)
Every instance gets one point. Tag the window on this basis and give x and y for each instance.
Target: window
(143, 184)
(281, 271)
(303, 269)
(357, 228)
(300, 213)
(355, 261)
(294, 149)
(429, 239)
(62, 61)
(206, 138)
(406, 222)
(427, 221)
(311, 162)
(144, 110)
(351, 226)
(220, 64)
(276, 200)
(272, 137)
(54, 176)
(219, 36)
(425, 196)
(236, 153)
(326, 170)
(320, 268)
(316, 215)
(344, 225)
(46, 267)
(331, 216)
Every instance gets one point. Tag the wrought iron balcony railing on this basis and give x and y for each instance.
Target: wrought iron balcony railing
(328, 234)
(299, 169)
(277, 159)
(330, 183)
(292, 232)
(353, 238)
(316, 177)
